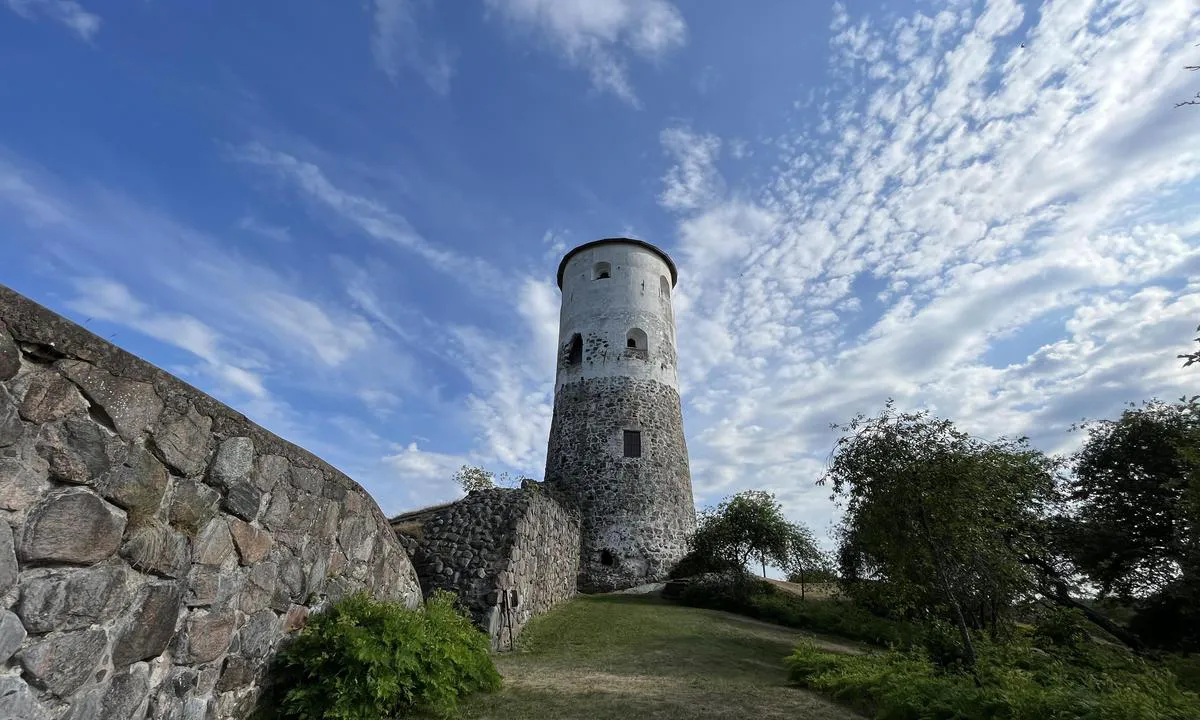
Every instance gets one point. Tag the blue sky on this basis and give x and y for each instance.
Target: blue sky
(343, 219)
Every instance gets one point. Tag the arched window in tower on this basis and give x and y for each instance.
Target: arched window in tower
(573, 352)
(664, 286)
(601, 271)
(636, 339)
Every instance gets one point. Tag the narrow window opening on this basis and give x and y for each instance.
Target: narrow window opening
(606, 558)
(635, 339)
(633, 443)
(664, 286)
(575, 350)
(602, 271)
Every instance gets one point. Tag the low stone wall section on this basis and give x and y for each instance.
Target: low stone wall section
(509, 554)
(155, 545)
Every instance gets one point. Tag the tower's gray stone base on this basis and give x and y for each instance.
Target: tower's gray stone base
(637, 512)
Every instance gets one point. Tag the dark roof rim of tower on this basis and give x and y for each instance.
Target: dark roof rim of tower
(562, 266)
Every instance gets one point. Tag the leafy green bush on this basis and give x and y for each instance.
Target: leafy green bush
(1017, 681)
(762, 600)
(364, 659)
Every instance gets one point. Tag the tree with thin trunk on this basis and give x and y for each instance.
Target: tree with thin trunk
(472, 478)
(751, 527)
(936, 520)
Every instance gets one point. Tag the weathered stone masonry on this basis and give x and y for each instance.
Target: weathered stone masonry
(156, 546)
(638, 513)
(509, 554)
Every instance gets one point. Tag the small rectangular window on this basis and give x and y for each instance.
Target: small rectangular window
(633, 443)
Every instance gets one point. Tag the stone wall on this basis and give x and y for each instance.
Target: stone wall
(638, 514)
(155, 545)
(495, 547)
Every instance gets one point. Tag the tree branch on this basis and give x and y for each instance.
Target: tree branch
(1060, 593)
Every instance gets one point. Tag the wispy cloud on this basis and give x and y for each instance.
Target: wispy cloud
(398, 45)
(372, 217)
(598, 34)
(71, 14)
(251, 224)
(966, 191)
(104, 299)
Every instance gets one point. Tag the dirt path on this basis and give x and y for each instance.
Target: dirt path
(643, 658)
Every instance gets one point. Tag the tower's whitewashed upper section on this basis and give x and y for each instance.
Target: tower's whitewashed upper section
(616, 317)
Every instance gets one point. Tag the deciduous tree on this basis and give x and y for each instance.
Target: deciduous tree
(1136, 494)
(471, 478)
(939, 520)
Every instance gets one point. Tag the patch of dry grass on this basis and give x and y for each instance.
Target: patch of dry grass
(621, 656)
(812, 591)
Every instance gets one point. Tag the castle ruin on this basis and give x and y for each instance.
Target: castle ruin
(615, 509)
(156, 547)
(616, 448)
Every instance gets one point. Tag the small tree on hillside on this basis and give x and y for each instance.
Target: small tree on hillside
(748, 526)
(755, 528)
(806, 563)
(471, 478)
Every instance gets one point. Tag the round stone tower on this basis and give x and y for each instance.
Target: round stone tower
(616, 441)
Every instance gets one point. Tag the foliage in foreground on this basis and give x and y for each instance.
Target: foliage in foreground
(1016, 681)
(367, 659)
(754, 598)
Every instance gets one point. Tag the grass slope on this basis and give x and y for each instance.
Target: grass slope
(620, 656)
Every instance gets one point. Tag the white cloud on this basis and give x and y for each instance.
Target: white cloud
(538, 305)
(1020, 214)
(692, 180)
(596, 34)
(104, 299)
(413, 463)
(510, 406)
(83, 23)
(331, 339)
(398, 45)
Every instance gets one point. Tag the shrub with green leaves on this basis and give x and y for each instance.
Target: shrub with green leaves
(1016, 681)
(364, 659)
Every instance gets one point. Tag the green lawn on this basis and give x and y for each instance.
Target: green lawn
(621, 656)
